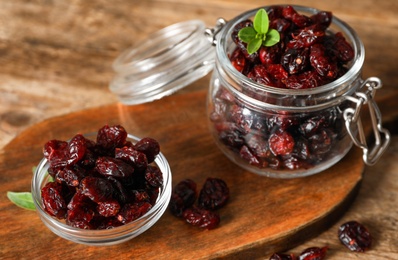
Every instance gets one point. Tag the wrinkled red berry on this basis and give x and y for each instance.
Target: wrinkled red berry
(313, 253)
(355, 236)
(149, 146)
(53, 199)
(201, 217)
(96, 189)
(183, 196)
(109, 166)
(280, 256)
(214, 194)
(111, 137)
(131, 212)
(281, 143)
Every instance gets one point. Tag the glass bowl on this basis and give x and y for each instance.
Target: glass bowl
(107, 236)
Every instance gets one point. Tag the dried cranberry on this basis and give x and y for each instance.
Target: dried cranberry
(323, 19)
(55, 151)
(295, 60)
(214, 194)
(81, 216)
(280, 256)
(246, 154)
(281, 143)
(183, 196)
(53, 199)
(130, 155)
(154, 176)
(291, 14)
(109, 166)
(149, 146)
(344, 50)
(133, 211)
(110, 137)
(201, 217)
(108, 208)
(97, 189)
(355, 236)
(313, 253)
(77, 149)
(70, 175)
(323, 64)
(306, 37)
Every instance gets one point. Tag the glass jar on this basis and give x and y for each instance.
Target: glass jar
(288, 133)
(282, 133)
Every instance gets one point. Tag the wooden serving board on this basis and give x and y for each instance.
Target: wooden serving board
(263, 215)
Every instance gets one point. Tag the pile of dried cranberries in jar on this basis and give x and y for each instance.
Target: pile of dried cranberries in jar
(307, 56)
(101, 184)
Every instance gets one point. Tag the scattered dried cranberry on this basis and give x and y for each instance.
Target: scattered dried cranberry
(201, 217)
(355, 236)
(280, 256)
(313, 253)
(183, 196)
(102, 184)
(214, 194)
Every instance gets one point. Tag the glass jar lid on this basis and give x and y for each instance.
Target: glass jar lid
(165, 62)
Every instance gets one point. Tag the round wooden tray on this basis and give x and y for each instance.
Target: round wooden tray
(263, 216)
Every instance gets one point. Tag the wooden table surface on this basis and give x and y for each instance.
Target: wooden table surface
(56, 56)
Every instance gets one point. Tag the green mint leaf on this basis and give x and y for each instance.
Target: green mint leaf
(254, 45)
(261, 22)
(247, 34)
(272, 38)
(22, 199)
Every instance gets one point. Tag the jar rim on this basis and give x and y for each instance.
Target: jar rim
(349, 32)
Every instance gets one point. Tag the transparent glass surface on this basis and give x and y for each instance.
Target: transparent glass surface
(165, 62)
(275, 132)
(108, 236)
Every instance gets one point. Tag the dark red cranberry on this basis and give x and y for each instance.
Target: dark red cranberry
(76, 149)
(130, 155)
(322, 19)
(247, 155)
(55, 151)
(108, 208)
(81, 216)
(306, 37)
(281, 256)
(313, 253)
(149, 146)
(201, 217)
(110, 137)
(355, 236)
(214, 194)
(295, 60)
(183, 196)
(291, 14)
(54, 203)
(108, 166)
(133, 211)
(324, 65)
(281, 143)
(154, 176)
(97, 189)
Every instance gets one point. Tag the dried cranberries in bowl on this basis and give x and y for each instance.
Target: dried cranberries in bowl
(103, 189)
